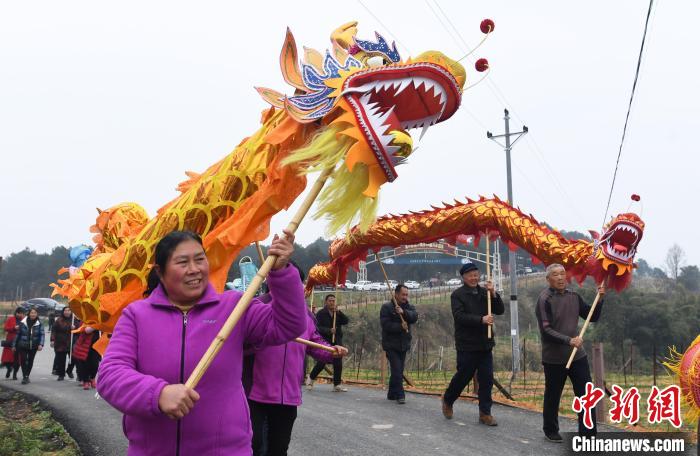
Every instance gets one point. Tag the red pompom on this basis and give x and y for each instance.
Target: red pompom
(481, 65)
(487, 26)
(636, 197)
(354, 49)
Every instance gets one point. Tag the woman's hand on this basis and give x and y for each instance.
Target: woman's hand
(176, 401)
(340, 351)
(283, 248)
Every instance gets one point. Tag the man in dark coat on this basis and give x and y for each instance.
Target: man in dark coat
(332, 330)
(474, 347)
(558, 311)
(396, 318)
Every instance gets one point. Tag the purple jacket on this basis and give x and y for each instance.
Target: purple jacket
(154, 344)
(278, 371)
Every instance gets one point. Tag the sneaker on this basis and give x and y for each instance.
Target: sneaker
(93, 383)
(7, 375)
(86, 385)
(70, 374)
(488, 420)
(401, 400)
(25, 380)
(309, 383)
(554, 437)
(447, 411)
(60, 379)
(339, 389)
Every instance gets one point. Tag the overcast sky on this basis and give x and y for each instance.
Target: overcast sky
(103, 103)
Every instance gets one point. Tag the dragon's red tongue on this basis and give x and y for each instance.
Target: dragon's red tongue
(619, 247)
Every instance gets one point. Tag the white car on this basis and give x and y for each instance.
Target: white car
(375, 286)
(349, 285)
(412, 285)
(454, 281)
(362, 285)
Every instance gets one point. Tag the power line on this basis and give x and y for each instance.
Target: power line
(498, 94)
(384, 26)
(629, 108)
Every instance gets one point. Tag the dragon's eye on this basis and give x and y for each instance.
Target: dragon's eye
(375, 61)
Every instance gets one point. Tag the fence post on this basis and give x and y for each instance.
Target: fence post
(599, 380)
(383, 364)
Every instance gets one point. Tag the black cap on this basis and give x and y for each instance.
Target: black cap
(466, 267)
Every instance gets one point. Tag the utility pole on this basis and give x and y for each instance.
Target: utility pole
(512, 268)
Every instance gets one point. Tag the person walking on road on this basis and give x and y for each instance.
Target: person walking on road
(474, 348)
(60, 341)
(87, 360)
(29, 340)
(330, 326)
(10, 359)
(158, 341)
(396, 318)
(558, 311)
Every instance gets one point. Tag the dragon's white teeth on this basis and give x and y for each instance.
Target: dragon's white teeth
(402, 85)
(425, 129)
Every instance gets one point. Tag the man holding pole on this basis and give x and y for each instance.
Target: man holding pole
(396, 318)
(330, 322)
(470, 304)
(558, 310)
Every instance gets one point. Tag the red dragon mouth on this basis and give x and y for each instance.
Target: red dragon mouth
(619, 243)
(399, 98)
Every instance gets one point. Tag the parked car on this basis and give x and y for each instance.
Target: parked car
(42, 305)
(376, 286)
(383, 286)
(454, 281)
(349, 285)
(362, 285)
(412, 285)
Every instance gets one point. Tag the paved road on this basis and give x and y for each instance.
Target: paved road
(359, 422)
(362, 422)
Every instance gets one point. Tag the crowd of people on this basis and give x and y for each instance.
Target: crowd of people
(71, 342)
(247, 401)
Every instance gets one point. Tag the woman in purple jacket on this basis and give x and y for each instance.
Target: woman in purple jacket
(159, 340)
(275, 392)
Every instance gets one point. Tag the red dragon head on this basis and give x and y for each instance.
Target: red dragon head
(614, 250)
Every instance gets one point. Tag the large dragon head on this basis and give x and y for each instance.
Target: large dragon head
(373, 96)
(618, 244)
(613, 252)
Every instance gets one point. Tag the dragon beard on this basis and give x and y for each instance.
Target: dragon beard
(342, 202)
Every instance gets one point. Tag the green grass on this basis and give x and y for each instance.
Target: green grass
(28, 430)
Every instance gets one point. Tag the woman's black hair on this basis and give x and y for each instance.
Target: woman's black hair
(20, 309)
(164, 249)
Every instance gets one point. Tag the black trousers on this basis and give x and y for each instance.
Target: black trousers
(337, 370)
(397, 359)
(554, 380)
(26, 360)
(272, 427)
(87, 370)
(59, 363)
(469, 362)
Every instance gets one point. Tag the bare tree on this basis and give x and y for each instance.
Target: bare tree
(675, 258)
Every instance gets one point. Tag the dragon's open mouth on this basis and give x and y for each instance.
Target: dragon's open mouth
(620, 241)
(389, 100)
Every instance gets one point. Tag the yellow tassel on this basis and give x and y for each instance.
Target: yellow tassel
(342, 202)
(325, 150)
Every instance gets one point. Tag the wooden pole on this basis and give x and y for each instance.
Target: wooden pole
(248, 295)
(584, 328)
(488, 277)
(260, 252)
(393, 298)
(314, 345)
(335, 310)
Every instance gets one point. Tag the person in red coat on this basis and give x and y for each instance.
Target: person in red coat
(9, 357)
